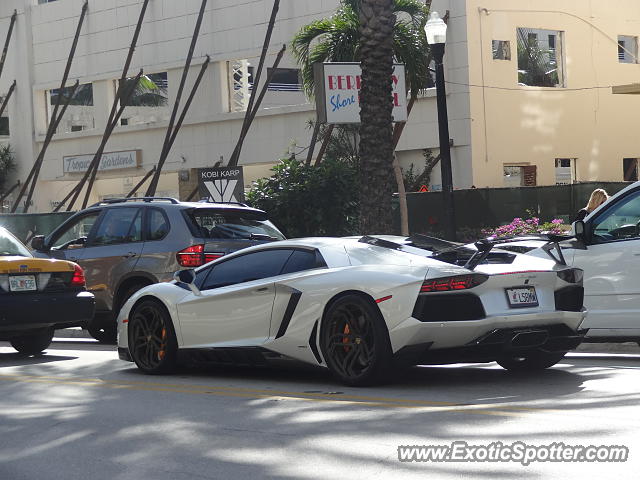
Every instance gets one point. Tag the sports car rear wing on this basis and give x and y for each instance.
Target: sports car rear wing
(551, 247)
(442, 248)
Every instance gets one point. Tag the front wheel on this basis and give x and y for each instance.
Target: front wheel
(33, 343)
(152, 339)
(538, 360)
(355, 341)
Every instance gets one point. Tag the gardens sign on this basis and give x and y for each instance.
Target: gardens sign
(109, 161)
(338, 92)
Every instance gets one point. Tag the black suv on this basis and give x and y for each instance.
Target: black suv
(124, 245)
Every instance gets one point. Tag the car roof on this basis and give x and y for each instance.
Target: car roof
(172, 202)
(366, 253)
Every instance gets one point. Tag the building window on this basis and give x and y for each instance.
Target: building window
(627, 49)
(240, 80)
(149, 102)
(630, 169)
(565, 171)
(4, 127)
(513, 176)
(520, 175)
(501, 49)
(285, 80)
(540, 58)
(80, 114)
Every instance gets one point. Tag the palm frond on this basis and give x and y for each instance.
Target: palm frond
(337, 39)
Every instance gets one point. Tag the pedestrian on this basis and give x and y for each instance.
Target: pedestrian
(597, 198)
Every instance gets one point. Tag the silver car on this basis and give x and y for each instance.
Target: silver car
(124, 245)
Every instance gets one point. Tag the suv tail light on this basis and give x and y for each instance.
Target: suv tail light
(455, 283)
(195, 256)
(78, 279)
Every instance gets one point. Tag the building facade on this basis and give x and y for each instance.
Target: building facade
(529, 92)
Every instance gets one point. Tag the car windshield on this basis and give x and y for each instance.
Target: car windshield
(11, 247)
(234, 224)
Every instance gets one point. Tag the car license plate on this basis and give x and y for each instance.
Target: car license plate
(23, 283)
(522, 297)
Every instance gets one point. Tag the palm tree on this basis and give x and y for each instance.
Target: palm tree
(339, 39)
(376, 113)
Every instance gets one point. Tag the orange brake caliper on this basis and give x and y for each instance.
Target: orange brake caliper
(161, 352)
(346, 331)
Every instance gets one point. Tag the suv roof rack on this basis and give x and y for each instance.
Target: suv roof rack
(112, 201)
(224, 203)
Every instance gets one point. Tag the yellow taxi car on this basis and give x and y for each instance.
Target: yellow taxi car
(38, 296)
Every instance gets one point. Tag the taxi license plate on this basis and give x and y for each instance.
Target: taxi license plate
(520, 297)
(23, 283)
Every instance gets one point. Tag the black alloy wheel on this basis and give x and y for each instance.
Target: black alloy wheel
(152, 339)
(355, 342)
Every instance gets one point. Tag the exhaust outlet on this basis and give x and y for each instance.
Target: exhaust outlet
(529, 339)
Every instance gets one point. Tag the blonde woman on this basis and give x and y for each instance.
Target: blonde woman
(598, 197)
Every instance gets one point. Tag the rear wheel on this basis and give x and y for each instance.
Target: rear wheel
(355, 342)
(152, 339)
(33, 343)
(537, 360)
(103, 329)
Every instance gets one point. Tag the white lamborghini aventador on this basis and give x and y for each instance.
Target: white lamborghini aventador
(359, 307)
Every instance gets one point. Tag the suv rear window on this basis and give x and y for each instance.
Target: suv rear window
(232, 224)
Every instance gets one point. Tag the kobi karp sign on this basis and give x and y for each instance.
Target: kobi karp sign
(222, 185)
(338, 92)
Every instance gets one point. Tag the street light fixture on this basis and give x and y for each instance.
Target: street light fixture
(436, 31)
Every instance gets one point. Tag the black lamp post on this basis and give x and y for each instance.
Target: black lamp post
(436, 31)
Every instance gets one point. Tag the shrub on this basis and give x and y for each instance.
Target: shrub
(307, 200)
(7, 164)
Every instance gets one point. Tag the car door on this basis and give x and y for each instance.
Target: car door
(69, 241)
(611, 264)
(111, 252)
(236, 301)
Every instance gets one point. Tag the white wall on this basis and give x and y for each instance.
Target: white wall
(232, 29)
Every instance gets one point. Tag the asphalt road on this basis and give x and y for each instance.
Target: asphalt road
(80, 413)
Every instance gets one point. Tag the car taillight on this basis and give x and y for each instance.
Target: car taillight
(78, 279)
(572, 275)
(195, 256)
(210, 257)
(457, 282)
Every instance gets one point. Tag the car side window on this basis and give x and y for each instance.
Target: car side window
(619, 222)
(157, 225)
(119, 225)
(302, 260)
(246, 268)
(80, 228)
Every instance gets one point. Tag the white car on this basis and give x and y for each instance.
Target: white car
(607, 248)
(357, 307)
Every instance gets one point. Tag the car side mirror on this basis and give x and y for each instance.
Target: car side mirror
(187, 277)
(37, 243)
(579, 230)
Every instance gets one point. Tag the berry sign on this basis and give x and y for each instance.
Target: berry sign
(338, 92)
